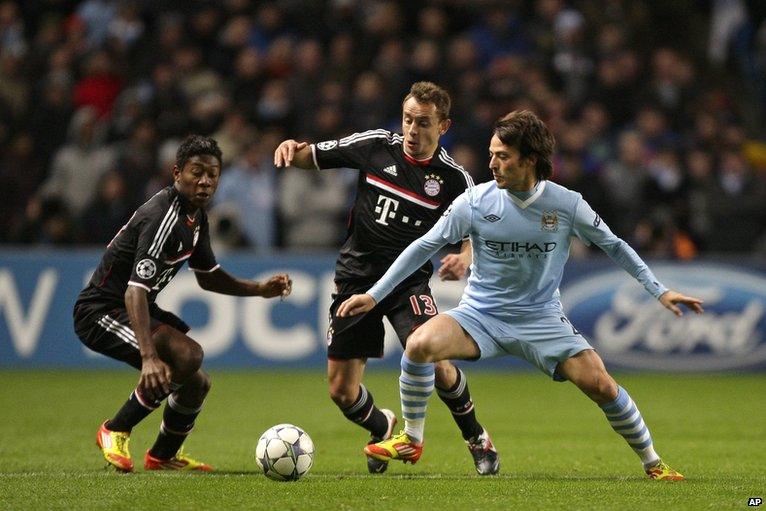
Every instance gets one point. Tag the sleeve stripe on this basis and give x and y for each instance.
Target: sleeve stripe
(171, 217)
(211, 270)
(314, 156)
(447, 160)
(138, 284)
(359, 137)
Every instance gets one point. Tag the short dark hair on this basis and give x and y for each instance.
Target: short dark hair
(429, 92)
(526, 133)
(195, 145)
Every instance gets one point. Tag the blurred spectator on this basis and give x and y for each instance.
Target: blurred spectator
(247, 194)
(99, 85)
(737, 212)
(313, 207)
(625, 180)
(21, 171)
(49, 117)
(136, 161)
(109, 210)
(78, 165)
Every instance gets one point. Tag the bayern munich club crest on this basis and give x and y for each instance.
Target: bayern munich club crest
(433, 185)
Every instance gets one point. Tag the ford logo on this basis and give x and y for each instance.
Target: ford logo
(629, 328)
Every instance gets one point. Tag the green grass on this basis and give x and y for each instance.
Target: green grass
(557, 450)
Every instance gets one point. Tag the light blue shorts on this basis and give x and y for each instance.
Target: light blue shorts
(543, 338)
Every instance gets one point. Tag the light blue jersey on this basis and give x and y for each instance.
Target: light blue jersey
(520, 247)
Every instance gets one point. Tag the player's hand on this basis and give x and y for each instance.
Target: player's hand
(283, 156)
(357, 304)
(453, 267)
(154, 382)
(671, 298)
(278, 285)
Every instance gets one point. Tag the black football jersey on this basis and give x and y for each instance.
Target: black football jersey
(150, 249)
(398, 199)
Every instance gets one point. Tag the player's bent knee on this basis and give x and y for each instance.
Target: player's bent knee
(420, 346)
(187, 361)
(204, 382)
(602, 388)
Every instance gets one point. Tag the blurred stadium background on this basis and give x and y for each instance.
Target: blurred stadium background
(659, 110)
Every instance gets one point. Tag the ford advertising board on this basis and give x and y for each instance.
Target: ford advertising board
(631, 329)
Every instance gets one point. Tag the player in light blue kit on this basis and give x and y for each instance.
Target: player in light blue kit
(520, 227)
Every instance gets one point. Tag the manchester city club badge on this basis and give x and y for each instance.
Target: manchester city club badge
(549, 221)
(433, 185)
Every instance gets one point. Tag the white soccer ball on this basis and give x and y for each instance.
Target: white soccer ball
(285, 452)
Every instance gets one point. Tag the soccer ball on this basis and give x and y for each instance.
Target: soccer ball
(285, 452)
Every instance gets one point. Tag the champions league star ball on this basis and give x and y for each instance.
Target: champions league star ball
(285, 452)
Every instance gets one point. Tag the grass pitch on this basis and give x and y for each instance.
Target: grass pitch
(557, 450)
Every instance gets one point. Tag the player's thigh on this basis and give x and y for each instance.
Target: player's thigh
(354, 337)
(442, 338)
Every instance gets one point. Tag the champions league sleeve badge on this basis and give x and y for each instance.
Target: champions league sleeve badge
(146, 268)
(433, 185)
(327, 145)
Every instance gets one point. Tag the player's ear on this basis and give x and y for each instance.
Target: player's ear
(444, 126)
(176, 172)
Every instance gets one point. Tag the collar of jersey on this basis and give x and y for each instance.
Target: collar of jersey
(524, 204)
(420, 163)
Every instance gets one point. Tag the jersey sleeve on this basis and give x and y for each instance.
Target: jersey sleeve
(148, 263)
(350, 152)
(451, 228)
(203, 258)
(590, 228)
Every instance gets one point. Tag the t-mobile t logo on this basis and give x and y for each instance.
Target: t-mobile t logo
(386, 208)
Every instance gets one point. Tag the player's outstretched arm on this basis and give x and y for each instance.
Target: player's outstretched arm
(293, 153)
(219, 281)
(357, 304)
(455, 266)
(670, 299)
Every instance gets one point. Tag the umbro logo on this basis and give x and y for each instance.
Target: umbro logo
(492, 218)
(391, 169)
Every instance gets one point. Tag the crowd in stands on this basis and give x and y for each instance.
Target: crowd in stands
(658, 108)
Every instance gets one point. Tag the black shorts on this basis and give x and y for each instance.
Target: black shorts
(362, 336)
(107, 330)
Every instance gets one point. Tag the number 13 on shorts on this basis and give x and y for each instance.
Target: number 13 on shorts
(423, 305)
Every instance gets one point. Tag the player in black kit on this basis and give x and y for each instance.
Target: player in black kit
(116, 313)
(405, 184)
